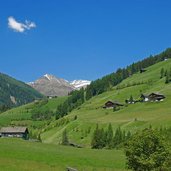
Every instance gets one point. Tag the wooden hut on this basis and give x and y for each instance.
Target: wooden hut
(17, 132)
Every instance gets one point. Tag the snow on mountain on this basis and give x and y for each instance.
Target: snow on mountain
(78, 84)
(49, 77)
(49, 85)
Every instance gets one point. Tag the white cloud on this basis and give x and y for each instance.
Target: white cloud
(20, 27)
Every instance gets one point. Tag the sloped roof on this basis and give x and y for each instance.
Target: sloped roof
(114, 102)
(13, 129)
(156, 94)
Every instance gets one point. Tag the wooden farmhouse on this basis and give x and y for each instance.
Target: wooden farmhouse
(110, 104)
(156, 97)
(17, 132)
(152, 97)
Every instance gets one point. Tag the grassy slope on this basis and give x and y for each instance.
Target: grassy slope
(19, 155)
(22, 115)
(133, 117)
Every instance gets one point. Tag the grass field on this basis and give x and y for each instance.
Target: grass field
(20, 155)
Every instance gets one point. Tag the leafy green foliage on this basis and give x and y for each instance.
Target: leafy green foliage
(146, 150)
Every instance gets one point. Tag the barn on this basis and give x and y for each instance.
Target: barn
(17, 132)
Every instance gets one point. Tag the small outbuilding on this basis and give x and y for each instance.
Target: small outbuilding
(17, 132)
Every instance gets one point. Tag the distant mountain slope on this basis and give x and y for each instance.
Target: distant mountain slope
(15, 93)
(50, 85)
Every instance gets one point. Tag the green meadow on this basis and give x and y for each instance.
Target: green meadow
(20, 155)
(80, 125)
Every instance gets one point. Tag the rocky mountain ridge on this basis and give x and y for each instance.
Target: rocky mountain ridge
(50, 85)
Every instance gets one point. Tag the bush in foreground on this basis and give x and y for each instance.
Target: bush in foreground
(147, 151)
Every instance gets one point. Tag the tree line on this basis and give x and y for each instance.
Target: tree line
(104, 84)
(107, 138)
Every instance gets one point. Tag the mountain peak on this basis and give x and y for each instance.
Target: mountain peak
(49, 76)
(50, 85)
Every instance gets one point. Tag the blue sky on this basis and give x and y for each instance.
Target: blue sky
(80, 39)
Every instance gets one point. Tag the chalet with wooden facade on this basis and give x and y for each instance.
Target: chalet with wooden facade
(156, 97)
(17, 132)
(152, 97)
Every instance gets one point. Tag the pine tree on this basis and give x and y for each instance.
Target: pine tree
(165, 74)
(99, 138)
(123, 135)
(109, 136)
(94, 142)
(167, 78)
(65, 138)
(170, 75)
(162, 73)
(118, 137)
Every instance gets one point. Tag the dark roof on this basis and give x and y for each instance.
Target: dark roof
(156, 94)
(114, 103)
(13, 129)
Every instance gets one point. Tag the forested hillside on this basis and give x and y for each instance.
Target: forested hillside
(15, 93)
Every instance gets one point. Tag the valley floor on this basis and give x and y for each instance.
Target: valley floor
(20, 155)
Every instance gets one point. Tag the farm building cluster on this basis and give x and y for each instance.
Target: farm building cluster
(152, 97)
